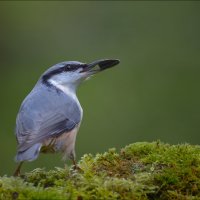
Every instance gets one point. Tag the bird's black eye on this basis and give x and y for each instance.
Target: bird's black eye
(67, 67)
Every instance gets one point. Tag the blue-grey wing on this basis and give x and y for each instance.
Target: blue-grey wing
(45, 114)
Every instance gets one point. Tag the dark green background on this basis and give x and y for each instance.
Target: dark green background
(153, 94)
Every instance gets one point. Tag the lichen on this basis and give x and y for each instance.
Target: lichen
(138, 171)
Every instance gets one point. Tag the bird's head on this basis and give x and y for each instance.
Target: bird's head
(72, 73)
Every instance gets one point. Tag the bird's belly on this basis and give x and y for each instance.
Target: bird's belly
(64, 143)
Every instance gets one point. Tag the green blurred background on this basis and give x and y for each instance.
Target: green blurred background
(153, 94)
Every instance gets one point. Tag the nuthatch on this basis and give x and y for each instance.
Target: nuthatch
(50, 116)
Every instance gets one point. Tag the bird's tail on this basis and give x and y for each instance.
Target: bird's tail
(29, 154)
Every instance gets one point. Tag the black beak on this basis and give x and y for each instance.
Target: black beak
(101, 64)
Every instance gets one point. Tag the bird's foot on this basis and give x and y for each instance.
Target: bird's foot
(18, 170)
(17, 173)
(76, 167)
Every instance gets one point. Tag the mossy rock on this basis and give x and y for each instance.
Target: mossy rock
(139, 171)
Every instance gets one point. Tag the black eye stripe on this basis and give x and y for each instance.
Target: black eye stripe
(65, 68)
(70, 67)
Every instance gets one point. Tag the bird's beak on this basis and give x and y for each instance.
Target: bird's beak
(100, 65)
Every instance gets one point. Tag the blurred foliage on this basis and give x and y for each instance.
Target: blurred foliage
(139, 171)
(153, 94)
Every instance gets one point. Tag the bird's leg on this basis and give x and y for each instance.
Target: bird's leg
(17, 171)
(74, 163)
(75, 166)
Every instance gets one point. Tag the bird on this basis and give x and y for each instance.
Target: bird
(50, 115)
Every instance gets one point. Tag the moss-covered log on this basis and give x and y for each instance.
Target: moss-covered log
(139, 171)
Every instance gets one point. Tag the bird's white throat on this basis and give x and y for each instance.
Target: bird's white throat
(67, 89)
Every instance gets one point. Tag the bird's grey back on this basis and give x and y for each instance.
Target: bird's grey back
(45, 112)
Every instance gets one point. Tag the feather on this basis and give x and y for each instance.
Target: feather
(45, 113)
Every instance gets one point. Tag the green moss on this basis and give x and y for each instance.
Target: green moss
(139, 171)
